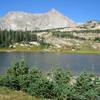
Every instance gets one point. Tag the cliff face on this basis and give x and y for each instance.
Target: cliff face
(21, 21)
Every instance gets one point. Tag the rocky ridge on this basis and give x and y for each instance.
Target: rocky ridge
(22, 21)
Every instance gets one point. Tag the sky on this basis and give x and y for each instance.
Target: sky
(77, 10)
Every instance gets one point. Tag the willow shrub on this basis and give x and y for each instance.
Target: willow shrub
(54, 85)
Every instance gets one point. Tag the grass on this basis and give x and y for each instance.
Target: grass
(85, 51)
(39, 49)
(21, 49)
(82, 52)
(8, 94)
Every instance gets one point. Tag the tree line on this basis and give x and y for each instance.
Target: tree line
(9, 37)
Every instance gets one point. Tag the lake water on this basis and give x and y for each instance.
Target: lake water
(45, 61)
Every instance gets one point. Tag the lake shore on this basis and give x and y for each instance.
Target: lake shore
(50, 50)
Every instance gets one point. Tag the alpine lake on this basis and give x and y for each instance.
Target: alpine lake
(46, 61)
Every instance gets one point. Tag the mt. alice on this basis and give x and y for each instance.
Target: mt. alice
(21, 21)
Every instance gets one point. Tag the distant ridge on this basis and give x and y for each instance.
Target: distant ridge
(40, 21)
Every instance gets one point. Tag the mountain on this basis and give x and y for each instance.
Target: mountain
(21, 21)
(92, 24)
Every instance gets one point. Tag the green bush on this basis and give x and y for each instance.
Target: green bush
(33, 75)
(91, 94)
(55, 85)
(18, 68)
(35, 72)
(9, 81)
(84, 82)
(61, 76)
(11, 78)
(86, 85)
(43, 88)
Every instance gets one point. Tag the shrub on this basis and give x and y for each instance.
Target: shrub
(56, 85)
(33, 75)
(86, 85)
(91, 94)
(11, 78)
(84, 82)
(18, 68)
(62, 79)
(62, 76)
(43, 88)
(9, 81)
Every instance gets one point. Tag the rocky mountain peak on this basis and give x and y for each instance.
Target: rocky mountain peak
(53, 11)
(22, 20)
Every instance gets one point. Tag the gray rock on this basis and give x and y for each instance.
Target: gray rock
(21, 21)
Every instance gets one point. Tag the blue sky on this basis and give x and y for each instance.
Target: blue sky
(77, 10)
